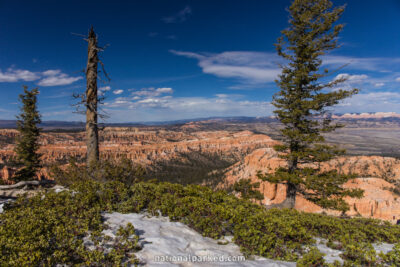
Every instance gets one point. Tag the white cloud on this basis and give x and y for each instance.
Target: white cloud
(118, 102)
(352, 78)
(16, 75)
(379, 84)
(181, 16)
(371, 102)
(51, 72)
(118, 92)
(151, 91)
(380, 64)
(47, 78)
(164, 90)
(398, 79)
(159, 104)
(173, 108)
(105, 88)
(251, 68)
(221, 95)
(56, 78)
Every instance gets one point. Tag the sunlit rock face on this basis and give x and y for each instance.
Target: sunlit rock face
(380, 174)
(145, 147)
(248, 153)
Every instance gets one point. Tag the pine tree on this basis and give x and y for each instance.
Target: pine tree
(248, 190)
(27, 143)
(301, 106)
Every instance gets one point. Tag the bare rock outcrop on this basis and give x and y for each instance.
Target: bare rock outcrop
(379, 176)
(144, 147)
(251, 152)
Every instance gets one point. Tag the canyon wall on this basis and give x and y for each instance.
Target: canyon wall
(146, 148)
(377, 177)
(245, 153)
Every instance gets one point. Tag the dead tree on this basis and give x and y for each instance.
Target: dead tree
(92, 99)
(92, 135)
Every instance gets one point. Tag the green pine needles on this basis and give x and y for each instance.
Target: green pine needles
(301, 106)
(27, 143)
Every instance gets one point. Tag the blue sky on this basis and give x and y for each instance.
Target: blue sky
(184, 59)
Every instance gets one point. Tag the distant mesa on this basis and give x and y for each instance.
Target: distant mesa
(10, 124)
(376, 115)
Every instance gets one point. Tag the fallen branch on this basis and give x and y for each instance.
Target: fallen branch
(24, 183)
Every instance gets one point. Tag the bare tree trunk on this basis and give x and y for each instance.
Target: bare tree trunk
(291, 193)
(291, 190)
(92, 136)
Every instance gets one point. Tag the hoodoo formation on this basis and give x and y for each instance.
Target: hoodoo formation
(248, 152)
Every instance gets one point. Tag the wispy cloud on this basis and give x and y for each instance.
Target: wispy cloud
(46, 78)
(249, 68)
(254, 69)
(181, 16)
(105, 88)
(151, 92)
(379, 84)
(362, 63)
(56, 78)
(356, 78)
(160, 104)
(16, 75)
(371, 102)
(118, 92)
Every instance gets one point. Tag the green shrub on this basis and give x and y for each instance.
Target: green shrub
(248, 190)
(392, 258)
(360, 254)
(50, 228)
(278, 234)
(123, 170)
(314, 258)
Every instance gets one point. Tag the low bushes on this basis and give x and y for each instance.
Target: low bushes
(50, 228)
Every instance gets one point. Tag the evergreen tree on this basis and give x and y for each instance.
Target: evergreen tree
(27, 142)
(301, 106)
(248, 190)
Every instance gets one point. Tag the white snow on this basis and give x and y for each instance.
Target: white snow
(383, 247)
(59, 188)
(2, 202)
(333, 254)
(330, 254)
(162, 239)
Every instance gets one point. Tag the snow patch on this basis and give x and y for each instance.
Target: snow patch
(383, 247)
(160, 238)
(331, 255)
